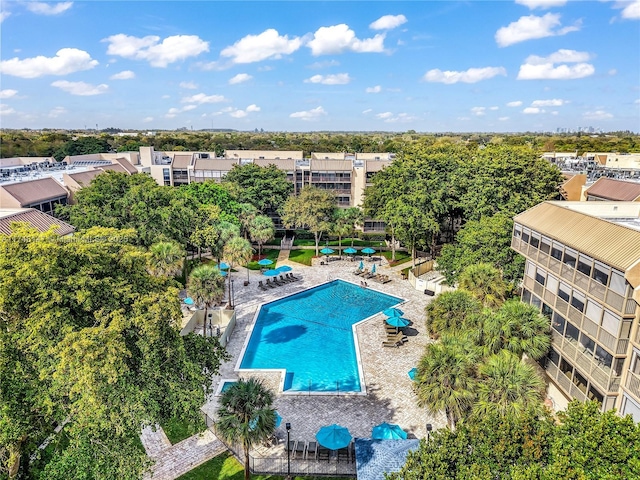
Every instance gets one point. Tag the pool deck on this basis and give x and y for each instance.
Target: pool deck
(389, 393)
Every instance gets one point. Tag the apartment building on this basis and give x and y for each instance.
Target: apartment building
(583, 272)
(42, 194)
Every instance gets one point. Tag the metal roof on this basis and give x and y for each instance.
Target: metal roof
(36, 218)
(611, 189)
(27, 193)
(612, 243)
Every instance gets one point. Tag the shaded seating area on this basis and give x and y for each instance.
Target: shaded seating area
(395, 340)
(277, 281)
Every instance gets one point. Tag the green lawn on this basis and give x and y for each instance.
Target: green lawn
(401, 257)
(302, 256)
(177, 430)
(225, 467)
(270, 253)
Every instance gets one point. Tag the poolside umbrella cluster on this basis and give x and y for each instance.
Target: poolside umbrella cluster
(387, 431)
(393, 312)
(398, 322)
(284, 268)
(334, 437)
(265, 262)
(272, 273)
(369, 251)
(350, 251)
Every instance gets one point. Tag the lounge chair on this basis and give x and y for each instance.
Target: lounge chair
(357, 271)
(261, 285)
(386, 279)
(312, 450)
(301, 449)
(277, 282)
(398, 337)
(270, 284)
(294, 278)
(323, 454)
(343, 454)
(284, 280)
(352, 451)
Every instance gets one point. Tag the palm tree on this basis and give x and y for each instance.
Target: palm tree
(484, 282)
(246, 414)
(246, 214)
(354, 218)
(446, 377)
(507, 386)
(236, 251)
(452, 312)
(206, 287)
(225, 231)
(518, 328)
(165, 259)
(261, 230)
(340, 226)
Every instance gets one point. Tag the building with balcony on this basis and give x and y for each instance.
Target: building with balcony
(583, 273)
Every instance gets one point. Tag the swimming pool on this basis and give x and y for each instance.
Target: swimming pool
(310, 336)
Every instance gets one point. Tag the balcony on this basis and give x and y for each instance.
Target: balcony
(633, 384)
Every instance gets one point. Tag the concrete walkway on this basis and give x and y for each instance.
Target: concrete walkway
(172, 461)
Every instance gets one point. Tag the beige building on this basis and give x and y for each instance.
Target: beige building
(42, 194)
(610, 189)
(41, 221)
(583, 272)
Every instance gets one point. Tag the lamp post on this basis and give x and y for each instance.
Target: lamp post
(429, 428)
(233, 294)
(288, 427)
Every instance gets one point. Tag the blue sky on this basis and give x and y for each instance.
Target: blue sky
(503, 66)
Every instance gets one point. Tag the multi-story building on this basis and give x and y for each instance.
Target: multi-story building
(583, 272)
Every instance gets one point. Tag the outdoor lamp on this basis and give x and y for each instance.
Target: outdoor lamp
(429, 428)
(288, 427)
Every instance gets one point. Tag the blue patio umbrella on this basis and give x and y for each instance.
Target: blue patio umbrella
(350, 250)
(265, 261)
(387, 431)
(368, 250)
(373, 270)
(361, 266)
(333, 436)
(412, 373)
(223, 266)
(272, 273)
(284, 268)
(188, 301)
(327, 250)
(393, 312)
(397, 322)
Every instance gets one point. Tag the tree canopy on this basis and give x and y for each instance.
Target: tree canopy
(90, 339)
(266, 188)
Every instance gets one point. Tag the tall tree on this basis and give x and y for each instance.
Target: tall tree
(508, 386)
(340, 226)
(266, 188)
(89, 338)
(236, 251)
(446, 377)
(206, 286)
(485, 283)
(452, 312)
(261, 230)
(354, 218)
(246, 214)
(246, 414)
(312, 209)
(165, 258)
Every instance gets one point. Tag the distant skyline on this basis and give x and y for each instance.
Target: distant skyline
(429, 66)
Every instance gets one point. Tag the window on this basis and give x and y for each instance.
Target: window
(578, 300)
(566, 368)
(517, 231)
(547, 311)
(580, 382)
(558, 323)
(618, 283)
(594, 311)
(572, 332)
(541, 276)
(587, 343)
(611, 323)
(552, 283)
(564, 292)
(545, 245)
(554, 357)
(595, 395)
(556, 251)
(604, 357)
(535, 301)
(584, 264)
(570, 257)
(531, 269)
(534, 241)
(526, 296)
(525, 235)
(600, 273)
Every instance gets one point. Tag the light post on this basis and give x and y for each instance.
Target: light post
(288, 427)
(233, 294)
(429, 428)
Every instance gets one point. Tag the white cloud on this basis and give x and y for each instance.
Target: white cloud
(556, 102)
(478, 111)
(165, 96)
(42, 8)
(4, 16)
(533, 4)
(147, 119)
(324, 64)
(238, 114)
(472, 75)
(389, 117)
(56, 112)
(239, 78)
(369, 110)
(531, 27)
(376, 89)
(384, 115)
(544, 68)
(637, 102)
(188, 85)
(255, 48)
(172, 49)
(494, 108)
(597, 115)
(339, 38)
(67, 60)
(252, 108)
(8, 93)
(632, 11)
(6, 109)
(503, 119)
(532, 110)
(124, 75)
(80, 88)
(612, 72)
(201, 98)
(309, 114)
(388, 22)
(516, 103)
(188, 108)
(336, 79)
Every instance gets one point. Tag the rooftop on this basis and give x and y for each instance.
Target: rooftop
(34, 217)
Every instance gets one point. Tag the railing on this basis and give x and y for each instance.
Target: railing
(633, 384)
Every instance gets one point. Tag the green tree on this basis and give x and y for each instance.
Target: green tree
(354, 218)
(452, 312)
(507, 386)
(206, 286)
(446, 378)
(312, 209)
(518, 328)
(236, 251)
(485, 283)
(261, 230)
(89, 339)
(340, 226)
(165, 258)
(266, 188)
(246, 414)
(246, 214)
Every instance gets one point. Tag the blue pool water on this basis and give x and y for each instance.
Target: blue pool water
(226, 386)
(309, 335)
